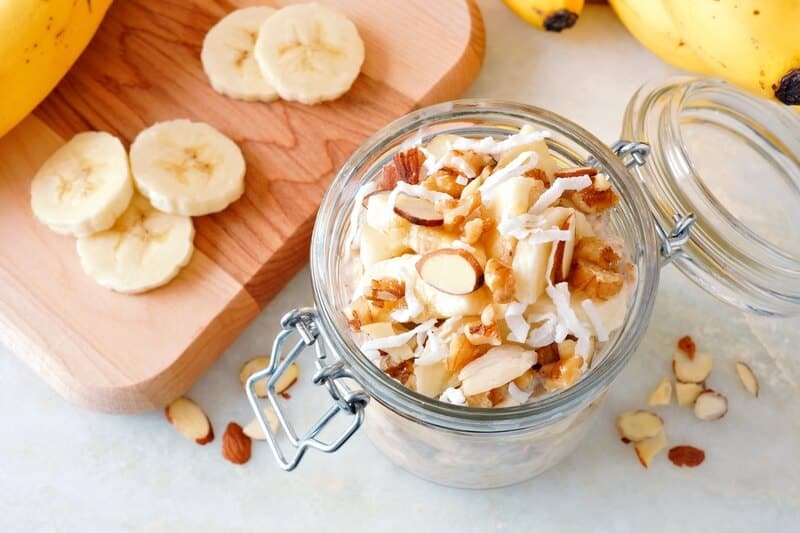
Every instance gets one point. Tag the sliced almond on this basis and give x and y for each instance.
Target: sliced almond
(451, 270)
(710, 405)
(687, 393)
(575, 172)
(253, 429)
(747, 377)
(497, 367)
(236, 446)
(635, 426)
(662, 394)
(418, 211)
(257, 364)
(562, 257)
(686, 456)
(692, 370)
(647, 449)
(384, 193)
(190, 419)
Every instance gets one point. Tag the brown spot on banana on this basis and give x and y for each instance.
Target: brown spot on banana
(787, 90)
(560, 20)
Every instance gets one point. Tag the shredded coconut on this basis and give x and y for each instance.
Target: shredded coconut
(529, 227)
(559, 187)
(435, 350)
(518, 166)
(566, 315)
(395, 341)
(596, 320)
(516, 322)
(454, 396)
(418, 191)
(462, 180)
(491, 146)
(545, 334)
(517, 394)
(413, 305)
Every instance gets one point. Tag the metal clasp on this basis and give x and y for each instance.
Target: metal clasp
(304, 323)
(672, 242)
(631, 153)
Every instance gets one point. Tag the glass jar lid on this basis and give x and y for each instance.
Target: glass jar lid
(733, 160)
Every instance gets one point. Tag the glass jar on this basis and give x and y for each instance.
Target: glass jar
(666, 213)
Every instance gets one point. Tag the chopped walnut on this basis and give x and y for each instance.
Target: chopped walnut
(526, 381)
(547, 355)
(444, 180)
(499, 277)
(538, 174)
(402, 371)
(385, 290)
(488, 315)
(594, 199)
(462, 352)
(405, 166)
(594, 269)
(478, 333)
(457, 212)
(489, 398)
(472, 230)
(563, 373)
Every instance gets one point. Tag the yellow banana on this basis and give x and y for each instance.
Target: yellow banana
(550, 15)
(649, 22)
(751, 43)
(39, 42)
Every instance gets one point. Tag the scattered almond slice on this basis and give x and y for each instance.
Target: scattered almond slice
(710, 405)
(257, 364)
(497, 367)
(647, 449)
(692, 370)
(190, 419)
(575, 172)
(253, 429)
(687, 393)
(562, 254)
(236, 446)
(747, 377)
(635, 426)
(686, 456)
(451, 270)
(419, 211)
(662, 394)
(686, 345)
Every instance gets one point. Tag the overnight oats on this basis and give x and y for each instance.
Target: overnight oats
(482, 273)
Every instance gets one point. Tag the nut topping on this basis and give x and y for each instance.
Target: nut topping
(451, 270)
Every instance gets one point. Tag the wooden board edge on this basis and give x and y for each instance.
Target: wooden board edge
(465, 70)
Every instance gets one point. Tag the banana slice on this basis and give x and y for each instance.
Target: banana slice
(143, 250)
(187, 168)
(84, 186)
(227, 55)
(309, 53)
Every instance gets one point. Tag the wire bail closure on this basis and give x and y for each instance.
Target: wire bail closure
(305, 323)
(635, 154)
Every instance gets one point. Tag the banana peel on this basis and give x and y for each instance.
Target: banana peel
(39, 42)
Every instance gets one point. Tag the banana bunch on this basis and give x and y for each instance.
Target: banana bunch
(39, 42)
(549, 15)
(750, 43)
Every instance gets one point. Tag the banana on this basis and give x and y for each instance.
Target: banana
(39, 41)
(750, 43)
(187, 168)
(84, 186)
(309, 53)
(649, 22)
(227, 55)
(143, 250)
(550, 15)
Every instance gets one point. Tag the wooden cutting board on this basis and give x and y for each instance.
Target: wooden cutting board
(118, 353)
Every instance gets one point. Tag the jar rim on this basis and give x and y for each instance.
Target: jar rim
(724, 255)
(332, 217)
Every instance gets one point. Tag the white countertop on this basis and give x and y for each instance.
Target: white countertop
(65, 469)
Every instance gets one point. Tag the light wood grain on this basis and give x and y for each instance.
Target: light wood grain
(125, 353)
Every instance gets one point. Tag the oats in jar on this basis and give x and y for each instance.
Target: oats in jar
(488, 275)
